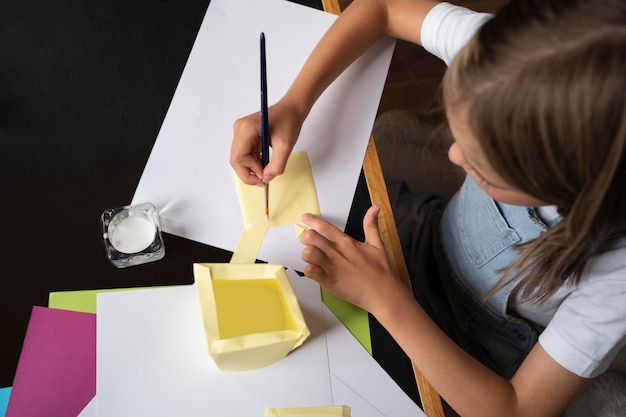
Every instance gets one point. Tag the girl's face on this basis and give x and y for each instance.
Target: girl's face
(466, 153)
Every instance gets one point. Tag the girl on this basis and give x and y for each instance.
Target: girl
(532, 250)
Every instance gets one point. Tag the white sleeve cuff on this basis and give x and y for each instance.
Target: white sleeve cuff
(447, 28)
(568, 356)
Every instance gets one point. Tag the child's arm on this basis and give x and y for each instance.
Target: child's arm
(362, 24)
(360, 273)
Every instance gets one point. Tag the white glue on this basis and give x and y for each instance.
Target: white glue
(132, 235)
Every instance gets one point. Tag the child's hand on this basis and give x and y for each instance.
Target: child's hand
(245, 151)
(358, 272)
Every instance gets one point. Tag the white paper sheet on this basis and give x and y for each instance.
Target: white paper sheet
(90, 409)
(152, 361)
(354, 371)
(188, 176)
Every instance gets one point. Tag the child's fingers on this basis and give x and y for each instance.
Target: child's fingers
(316, 259)
(244, 150)
(249, 169)
(322, 227)
(281, 149)
(370, 228)
(275, 168)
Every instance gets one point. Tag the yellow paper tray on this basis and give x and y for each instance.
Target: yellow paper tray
(250, 313)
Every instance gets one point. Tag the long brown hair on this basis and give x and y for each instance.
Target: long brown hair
(544, 85)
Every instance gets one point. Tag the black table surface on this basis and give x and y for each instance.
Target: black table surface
(84, 88)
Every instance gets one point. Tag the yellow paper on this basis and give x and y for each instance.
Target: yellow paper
(332, 411)
(249, 306)
(248, 246)
(290, 196)
(251, 315)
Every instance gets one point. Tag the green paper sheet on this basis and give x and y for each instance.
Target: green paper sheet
(84, 301)
(354, 318)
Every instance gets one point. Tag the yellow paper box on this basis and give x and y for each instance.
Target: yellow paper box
(250, 313)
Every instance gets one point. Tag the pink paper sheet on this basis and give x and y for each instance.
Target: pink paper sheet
(56, 373)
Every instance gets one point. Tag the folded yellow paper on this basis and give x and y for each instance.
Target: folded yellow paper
(250, 314)
(333, 411)
(248, 246)
(291, 195)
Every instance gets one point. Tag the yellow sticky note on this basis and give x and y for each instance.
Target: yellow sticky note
(332, 411)
(250, 314)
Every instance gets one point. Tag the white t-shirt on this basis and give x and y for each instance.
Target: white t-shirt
(585, 324)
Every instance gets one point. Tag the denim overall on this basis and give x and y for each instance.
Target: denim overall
(478, 237)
